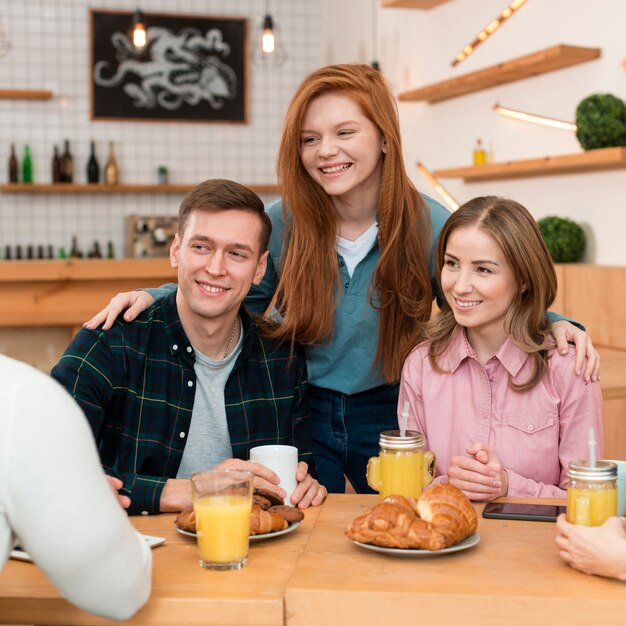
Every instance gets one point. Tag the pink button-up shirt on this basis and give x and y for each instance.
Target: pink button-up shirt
(535, 433)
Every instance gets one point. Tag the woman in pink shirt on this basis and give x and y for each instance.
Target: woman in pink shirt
(501, 415)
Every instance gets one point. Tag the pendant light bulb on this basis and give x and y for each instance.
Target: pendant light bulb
(268, 35)
(139, 29)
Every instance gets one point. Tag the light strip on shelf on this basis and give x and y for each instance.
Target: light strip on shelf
(447, 198)
(489, 30)
(535, 119)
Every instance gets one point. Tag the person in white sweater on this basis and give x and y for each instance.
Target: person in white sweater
(56, 502)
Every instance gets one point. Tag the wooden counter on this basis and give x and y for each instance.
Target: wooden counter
(514, 576)
(67, 293)
(182, 591)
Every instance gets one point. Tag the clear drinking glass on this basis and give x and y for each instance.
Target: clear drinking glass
(222, 501)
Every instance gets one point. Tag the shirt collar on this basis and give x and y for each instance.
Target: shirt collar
(177, 339)
(510, 355)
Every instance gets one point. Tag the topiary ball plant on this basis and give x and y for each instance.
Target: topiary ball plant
(601, 121)
(564, 238)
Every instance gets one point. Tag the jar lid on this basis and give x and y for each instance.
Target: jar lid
(602, 470)
(392, 440)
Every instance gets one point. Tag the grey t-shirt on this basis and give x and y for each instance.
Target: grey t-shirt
(208, 440)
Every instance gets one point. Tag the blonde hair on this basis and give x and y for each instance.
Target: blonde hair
(401, 287)
(515, 231)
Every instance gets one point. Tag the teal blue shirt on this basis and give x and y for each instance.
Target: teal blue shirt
(347, 362)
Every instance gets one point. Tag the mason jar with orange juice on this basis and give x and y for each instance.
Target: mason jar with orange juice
(403, 467)
(591, 492)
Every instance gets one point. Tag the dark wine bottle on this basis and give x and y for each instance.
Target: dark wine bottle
(40, 252)
(93, 169)
(13, 166)
(67, 164)
(56, 166)
(75, 252)
(110, 250)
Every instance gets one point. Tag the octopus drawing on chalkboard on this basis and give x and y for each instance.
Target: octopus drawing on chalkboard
(182, 68)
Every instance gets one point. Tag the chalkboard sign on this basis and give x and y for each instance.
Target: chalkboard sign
(191, 69)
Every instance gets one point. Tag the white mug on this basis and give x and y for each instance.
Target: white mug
(283, 460)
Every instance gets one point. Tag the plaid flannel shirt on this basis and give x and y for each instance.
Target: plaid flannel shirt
(136, 385)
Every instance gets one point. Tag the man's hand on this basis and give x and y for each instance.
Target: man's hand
(134, 301)
(599, 550)
(308, 492)
(116, 484)
(479, 476)
(564, 332)
(176, 494)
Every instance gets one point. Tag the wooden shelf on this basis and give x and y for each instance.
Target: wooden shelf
(548, 60)
(25, 94)
(411, 4)
(590, 161)
(109, 189)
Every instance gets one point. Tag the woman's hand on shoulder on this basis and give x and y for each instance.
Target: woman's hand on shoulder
(134, 302)
(565, 332)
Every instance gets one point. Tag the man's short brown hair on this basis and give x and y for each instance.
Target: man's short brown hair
(219, 194)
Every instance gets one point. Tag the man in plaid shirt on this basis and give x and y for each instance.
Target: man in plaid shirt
(193, 383)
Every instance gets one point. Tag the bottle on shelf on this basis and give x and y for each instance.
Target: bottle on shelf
(40, 252)
(111, 171)
(13, 166)
(7, 253)
(110, 251)
(67, 164)
(95, 252)
(93, 168)
(480, 156)
(30, 251)
(62, 254)
(490, 152)
(18, 252)
(75, 252)
(56, 166)
(27, 166)
(50, 252)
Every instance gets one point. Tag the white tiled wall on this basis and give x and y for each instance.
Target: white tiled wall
(50, 50)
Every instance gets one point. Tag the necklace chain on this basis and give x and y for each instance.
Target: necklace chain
(232, 336)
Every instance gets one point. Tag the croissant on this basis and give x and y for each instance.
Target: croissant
(261, 521)
(442, 517)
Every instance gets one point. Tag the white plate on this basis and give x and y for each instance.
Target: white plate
(21, 555)
(470, 542)
(277, 533)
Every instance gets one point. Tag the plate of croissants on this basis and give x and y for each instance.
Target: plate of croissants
(443, 520)
(269, 518)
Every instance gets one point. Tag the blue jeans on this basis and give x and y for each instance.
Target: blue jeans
(346, 430)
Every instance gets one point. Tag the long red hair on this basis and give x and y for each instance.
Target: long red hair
(309, 280)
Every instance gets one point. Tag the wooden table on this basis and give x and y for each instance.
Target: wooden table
(315, 576)
(182, 591)
(513, 576)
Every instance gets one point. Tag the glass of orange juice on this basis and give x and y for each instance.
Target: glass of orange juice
(403, 467)
(591, 492)
(222, 501)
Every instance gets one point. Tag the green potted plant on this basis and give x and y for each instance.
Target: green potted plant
(564, 238)
(601, 121)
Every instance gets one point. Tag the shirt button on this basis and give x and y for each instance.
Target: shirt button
(175, 346)
(189, 348)
(182, 435)
(145, 513)
(531, 427)
(347, 285)
(190, 383)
